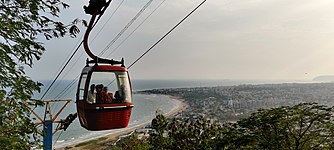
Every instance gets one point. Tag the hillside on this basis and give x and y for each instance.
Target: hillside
(328, 78)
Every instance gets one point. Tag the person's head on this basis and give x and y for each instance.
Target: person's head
(92, 87)
(99, 88)
(105, 89)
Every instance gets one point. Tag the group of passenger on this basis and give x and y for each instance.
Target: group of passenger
(102, 96)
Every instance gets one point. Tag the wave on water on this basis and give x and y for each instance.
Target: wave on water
(60, 141)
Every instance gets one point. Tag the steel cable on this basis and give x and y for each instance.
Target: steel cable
(55, 79)
(166, 34)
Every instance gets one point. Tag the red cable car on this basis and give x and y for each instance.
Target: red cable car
(98, 106)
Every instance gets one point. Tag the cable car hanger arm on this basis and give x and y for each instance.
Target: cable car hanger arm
(89, 28)
(96, 7)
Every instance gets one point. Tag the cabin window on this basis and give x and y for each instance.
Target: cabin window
(124, 85)
(82, 86)
(110, 87)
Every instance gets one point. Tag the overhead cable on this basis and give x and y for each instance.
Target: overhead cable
(103, 26)
(125, 28)
(113, 13)
(135, 29)
(55, 79)
(67, 90)
(166, 35)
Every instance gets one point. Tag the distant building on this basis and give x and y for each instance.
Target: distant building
(230, 103)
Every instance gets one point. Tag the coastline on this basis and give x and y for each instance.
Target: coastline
(181, 106)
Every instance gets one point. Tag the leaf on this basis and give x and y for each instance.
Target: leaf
(65, 5)
(21, 28)
(74, 30)
(36, 56)
(75, 21)
(84, 22)
(47, 36)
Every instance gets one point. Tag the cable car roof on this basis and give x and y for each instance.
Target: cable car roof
(107, 68)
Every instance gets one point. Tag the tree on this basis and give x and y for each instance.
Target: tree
(131, 143)
(304, 126)
(22, 23)
(181, 134)
(300, 127)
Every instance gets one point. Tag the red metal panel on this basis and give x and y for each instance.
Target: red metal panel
(108, 68)
(107, 119)
(101, 117)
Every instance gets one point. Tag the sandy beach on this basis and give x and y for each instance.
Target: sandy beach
(88, 144)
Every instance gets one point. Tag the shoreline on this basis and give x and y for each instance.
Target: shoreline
(181, 106)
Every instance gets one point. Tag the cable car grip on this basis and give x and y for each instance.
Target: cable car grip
(96, 7)
(105, 61)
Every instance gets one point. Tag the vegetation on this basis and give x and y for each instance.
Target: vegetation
(23, 25)
(177, 134)
(304, 126)
(300, 127)
(133, 143)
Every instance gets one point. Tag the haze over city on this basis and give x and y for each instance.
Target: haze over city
(224, 39)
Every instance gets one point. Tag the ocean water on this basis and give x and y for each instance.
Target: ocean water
(145, 106)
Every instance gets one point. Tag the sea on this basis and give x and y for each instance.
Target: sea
(146, 106)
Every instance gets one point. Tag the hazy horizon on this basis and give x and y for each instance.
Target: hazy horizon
(237, 40)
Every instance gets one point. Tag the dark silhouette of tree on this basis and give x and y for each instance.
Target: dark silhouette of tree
(23, 24)
(201, 133)
(132, 143)
(300, 127)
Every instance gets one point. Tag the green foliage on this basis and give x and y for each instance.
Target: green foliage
(132, 143)
(301, 127)
(22, 22)
(177, 134)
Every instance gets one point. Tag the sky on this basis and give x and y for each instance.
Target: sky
(223, 39)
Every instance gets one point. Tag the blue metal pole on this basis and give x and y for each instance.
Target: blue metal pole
(47, 139)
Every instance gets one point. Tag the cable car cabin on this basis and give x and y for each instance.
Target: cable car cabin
(104, 97)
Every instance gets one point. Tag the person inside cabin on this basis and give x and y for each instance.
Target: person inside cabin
(120, 95)
(91, 94)
(105, 95)
(99, 95)
(112, 98)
